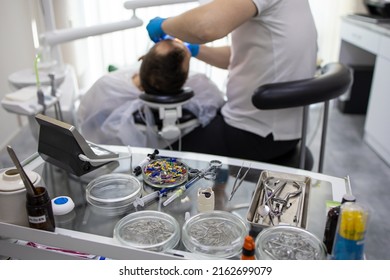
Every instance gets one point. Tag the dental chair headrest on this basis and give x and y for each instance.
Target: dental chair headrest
(171, 98)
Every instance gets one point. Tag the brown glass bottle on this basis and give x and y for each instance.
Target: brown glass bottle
(331, 223)
(39, 210)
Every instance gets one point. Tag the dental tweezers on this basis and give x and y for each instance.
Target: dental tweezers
(237, 183)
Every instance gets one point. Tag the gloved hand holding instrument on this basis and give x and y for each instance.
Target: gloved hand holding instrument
(157, 34)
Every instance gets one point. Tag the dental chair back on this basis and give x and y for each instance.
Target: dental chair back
(170, 118)
(334, 80)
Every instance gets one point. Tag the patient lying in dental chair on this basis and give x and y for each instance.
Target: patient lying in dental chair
(105, 113)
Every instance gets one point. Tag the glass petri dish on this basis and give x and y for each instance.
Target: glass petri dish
(148, 230)
(165, 173)
(214, 234)
(113, 194)
(288, 243)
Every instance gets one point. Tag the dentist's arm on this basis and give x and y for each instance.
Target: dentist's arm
(209, 22)
(215, 56)
(205, 23)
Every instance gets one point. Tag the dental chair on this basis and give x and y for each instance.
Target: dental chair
(171, 120)
(333, 80)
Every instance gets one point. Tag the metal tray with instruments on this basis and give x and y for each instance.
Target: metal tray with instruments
(285, 201)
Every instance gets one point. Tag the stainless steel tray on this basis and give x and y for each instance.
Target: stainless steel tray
(294, 212)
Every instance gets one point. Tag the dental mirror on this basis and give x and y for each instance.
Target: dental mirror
(263, 210)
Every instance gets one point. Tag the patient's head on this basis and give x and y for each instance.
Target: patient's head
(165, 67)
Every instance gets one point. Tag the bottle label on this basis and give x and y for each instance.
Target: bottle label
(37, 219)
(346, 249)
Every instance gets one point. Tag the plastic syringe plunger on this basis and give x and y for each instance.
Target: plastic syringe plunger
(141, 201)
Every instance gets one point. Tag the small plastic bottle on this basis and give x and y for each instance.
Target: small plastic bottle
(40, 211)
(350, 233)
(248, 249)
(63, 210)
(206, 200)
(331, 223)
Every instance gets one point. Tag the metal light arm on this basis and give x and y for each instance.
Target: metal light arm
(60, 36)
(53, 37)
(135, 4)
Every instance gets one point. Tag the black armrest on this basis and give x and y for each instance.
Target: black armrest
(334, 80)
(181, 96)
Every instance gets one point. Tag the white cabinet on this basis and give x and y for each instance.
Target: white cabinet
(360, 37)
(369, 44)
(384, 47)
(377, 126)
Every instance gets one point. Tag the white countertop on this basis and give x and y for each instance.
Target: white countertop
(382, 28)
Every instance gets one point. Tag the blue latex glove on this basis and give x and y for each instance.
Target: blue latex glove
(193, 48)
(154, 29)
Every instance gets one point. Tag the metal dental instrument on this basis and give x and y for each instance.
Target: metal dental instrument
(263, 211)
(235, 185)
(208, 173)
(284, 201)
(266, 203)
(275, 192)
(298, 213)
(213, 166)
(262, 208)
(26, 180)
(270, 212)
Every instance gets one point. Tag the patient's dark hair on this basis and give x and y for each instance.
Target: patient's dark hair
(164, 72)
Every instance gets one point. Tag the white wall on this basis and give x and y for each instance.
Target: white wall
(327, 16)
(17, 52)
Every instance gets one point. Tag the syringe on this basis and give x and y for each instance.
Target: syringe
(141, 201)
(209, 173)
(175, 195)
(138, 170)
